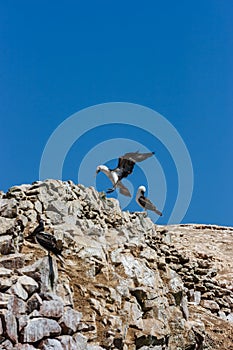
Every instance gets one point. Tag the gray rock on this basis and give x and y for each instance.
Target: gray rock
(211, 305)
(34, 303)
(28, 283)
(8, 208)
(17, 289)
(6, 345)
(24, 347)
(52, 308)
(70, 321)
(80, 341)
(5, 272)
(6, 245)
(16, 306)
(13, 261)
(50, 344)
(68, 343)
(10, 325)
(5, 225)
(39, 328)
(4, 299)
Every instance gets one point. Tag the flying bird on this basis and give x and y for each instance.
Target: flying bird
(124, 168)
(47, 241)
(144, 202)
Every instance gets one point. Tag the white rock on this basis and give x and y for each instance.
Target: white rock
(39, 328)
(28, 283)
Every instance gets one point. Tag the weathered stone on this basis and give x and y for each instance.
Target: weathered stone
(13, 261)
(67, 342)
(5, 272)
(80, 341)
(6, 245)
(16, 306)
(7, 345)
(9, 325)
(8, 208)
(70, 321)
(4, 299)
(211, 305)
(5, 283)
(18, 290)
(24, 347)
(25, 205)
(5, 225)
(39, 328)
(34, 303)
(52, 308)
(28, 283)
(49, 344)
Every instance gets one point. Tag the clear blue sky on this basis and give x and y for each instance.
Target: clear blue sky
(58, 57)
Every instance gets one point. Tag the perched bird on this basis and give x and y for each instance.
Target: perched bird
(144, 202)
(124, 168)
(47, 241)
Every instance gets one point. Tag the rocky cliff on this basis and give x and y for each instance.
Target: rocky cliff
(125, 284)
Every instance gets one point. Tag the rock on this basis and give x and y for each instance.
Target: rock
(39, 328)
(80, 341)
(6, 345)
(28, 283)
(211, 305)
(13, 261)
(16, 306)
(49, 344)
(52, 308)
(6, 245)
(4, 299)
(34, 303)
(70, 321)
(5, 225)
(18, 290)
(8, 208)
(5, 272)
(9, 325)
(68, 343)
(24, 347)
(5, 283)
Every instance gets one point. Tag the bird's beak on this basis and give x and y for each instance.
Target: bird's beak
(97, 172)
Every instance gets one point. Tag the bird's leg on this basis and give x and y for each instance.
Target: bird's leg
(110, 190)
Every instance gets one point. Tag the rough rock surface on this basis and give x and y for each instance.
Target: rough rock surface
(126, 283)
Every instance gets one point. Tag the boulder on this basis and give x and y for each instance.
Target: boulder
(37, 329)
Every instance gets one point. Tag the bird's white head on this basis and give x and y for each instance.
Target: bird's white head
(142, 189)
(102, 168)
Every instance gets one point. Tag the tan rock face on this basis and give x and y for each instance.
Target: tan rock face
(126, 283)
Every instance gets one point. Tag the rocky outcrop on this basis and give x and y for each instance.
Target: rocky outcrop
(126, 283)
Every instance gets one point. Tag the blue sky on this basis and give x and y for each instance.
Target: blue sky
(59, 57)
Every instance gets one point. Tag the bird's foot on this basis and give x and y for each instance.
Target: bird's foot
(110, 190)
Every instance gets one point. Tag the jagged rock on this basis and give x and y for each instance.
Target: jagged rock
(80, 341)
(7, 345)
(52, 308)
(211, 305)
(24, 347)
(49, 344)
(5, 272)
(34, 303)
(5, 225)
(40, 272)
(16, 306)
(67, 342)
(4, 299)
(6, 245)
(8, 208)
(28, 283)
(13, 261)
(17, 289)
(129, 278)
(39, 328)
(70, 321)
(9, 325)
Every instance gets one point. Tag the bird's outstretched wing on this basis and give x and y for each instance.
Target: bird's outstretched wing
(147, 204)
(136, 156)
(123, 189)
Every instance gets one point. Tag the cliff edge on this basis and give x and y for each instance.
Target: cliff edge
(126, 283)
